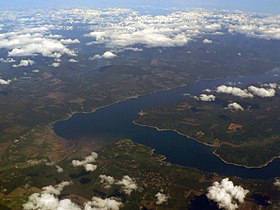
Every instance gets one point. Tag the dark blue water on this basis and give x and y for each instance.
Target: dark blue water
(116, 121)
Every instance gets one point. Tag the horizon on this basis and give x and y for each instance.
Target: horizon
(251, 6)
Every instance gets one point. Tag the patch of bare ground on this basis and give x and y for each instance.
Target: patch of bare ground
(59, 148)
(192, 192)
(234, 128)
(15, 129)
(78, 101)
(191, 121)
(3, 148)
(58, 97)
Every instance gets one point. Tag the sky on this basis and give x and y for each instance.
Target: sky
(258, 6)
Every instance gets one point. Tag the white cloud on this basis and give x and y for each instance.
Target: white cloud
(107, 181)
(73, 60)
(226, 194)
(235, 107)
(103, 204)
(270, 85)
(27, 62)
(109, 55)
(56, 55)
(55, 65)
(135, 49)
(234, 91)
(207, 41)
(178, 28)
(127, 184)
(87, 162)
(106, 55)
(90, 167)
(67, 204)
(4, 82)
(277, 182)
(59, 169)
(47, 199)
(262, 92)
(161, 198)
(69, 41)
(205, 97)
(33, 38)
(33, 44)
(207, 90)
(263, 27)
(125, 28)
(7, 60)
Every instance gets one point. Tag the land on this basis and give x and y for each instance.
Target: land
(34, 101)
(249, 138)
(53, 94)
(151, 172)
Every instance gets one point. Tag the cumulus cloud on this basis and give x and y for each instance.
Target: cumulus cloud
(277, 182)
(205, 97)
(87, 162)
(90, 167)
(235, 107)
(226, 194)
(27, 38)
(67, 204)
(7, 60)
(125, 28)
(234, 91)
(55, 65)
(106, 55)
(69, 41)
(107, 181)
(127, 184)
(73, 60)
(103, 204)
(109, 55)
(27, 62)
(48, 199)
(33, 44)
(58, 168)
(207, 41)
(262, 92)
(207, 90)
(178, 28)
(270, 85)
(135, 49)
(4, 82)
(161, 198)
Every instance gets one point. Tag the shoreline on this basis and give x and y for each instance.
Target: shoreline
(248, 167)
(210, 145)
(69, 115)
(167, 129)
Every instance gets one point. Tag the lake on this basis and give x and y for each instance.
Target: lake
(116, 121)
